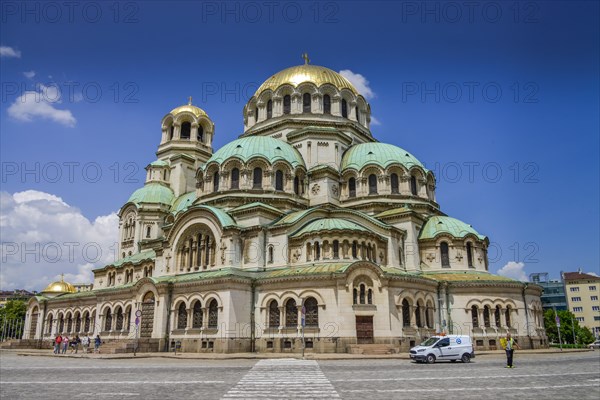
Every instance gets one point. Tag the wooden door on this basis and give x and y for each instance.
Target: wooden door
(364, 329)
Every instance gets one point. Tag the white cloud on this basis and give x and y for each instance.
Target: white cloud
(43, 237)
(375, 121)
(6, 51)
(29, 74)
(41, 104)
(514, 270)
(360, 83)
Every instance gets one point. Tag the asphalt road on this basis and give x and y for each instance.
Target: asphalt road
(536, 376)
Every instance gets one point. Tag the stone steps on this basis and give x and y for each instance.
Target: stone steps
(372, 349)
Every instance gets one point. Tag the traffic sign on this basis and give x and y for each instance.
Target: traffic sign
(138, 313)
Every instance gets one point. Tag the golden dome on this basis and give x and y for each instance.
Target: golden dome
(197, 111)
(60, 287)
(306, 73)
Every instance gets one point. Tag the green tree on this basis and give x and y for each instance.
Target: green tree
(568, 325)
(13, 309)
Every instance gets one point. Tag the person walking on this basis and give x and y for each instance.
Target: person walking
(85, 342)
(97, 343)
(65, 344)
(57, 341)
(509, 345)
(75, 344)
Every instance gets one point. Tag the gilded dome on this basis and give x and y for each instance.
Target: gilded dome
(381, 154)
(306, 73)
(189, 107)
(60, 287)
(258, 146)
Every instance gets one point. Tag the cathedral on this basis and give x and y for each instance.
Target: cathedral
(304, 234)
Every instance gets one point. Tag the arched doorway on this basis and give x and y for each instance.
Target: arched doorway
(34, 321)
(147, 322)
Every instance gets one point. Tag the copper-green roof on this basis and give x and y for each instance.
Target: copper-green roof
(224, 219)
(382, 154)
(183, 202)
(153, 192)
(257, 204)
(329, 224)
(159, 163)
(452, 226)
(134, 259)
(258, 146)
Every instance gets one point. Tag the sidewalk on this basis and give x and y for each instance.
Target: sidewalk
(257, 356)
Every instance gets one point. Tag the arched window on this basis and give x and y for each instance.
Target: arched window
(86, 322)
(257, 181)
(336, 249)
(311, 309)
(61, 324)
(372, 184)
(306, 101)
(445, 254)
(291, 314)
(357, 114)
(317, 251)
(507, 316)
(475, 316)
(200, 134)
(352, 187)
(197, 316)
(108, 321)
(279, 180)
(181, 316)
(470, 254)
(148, 231)
(256, 114)
(428, 316)
(401, 256)
(269, 109)
(395, 184)
(274, 314)
(497, 316)
(271, 254)
(370, 296)
(235, 178)
(186, 130)
(216, 182)
(49, 324)
(78, 323)
(486, 316)
(354, 296)
(297, 186)
(119, 324)
(69, 323)
(326, 104)
(171, 132)
(355, 249)
(413, 185)
(344, 108)
(213, 314)
(405, 313)
(287, 104)
(362, 293)
(418, 315)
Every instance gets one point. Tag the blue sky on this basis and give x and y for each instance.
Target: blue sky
(499, 99)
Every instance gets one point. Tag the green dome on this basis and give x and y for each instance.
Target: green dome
(381, 154)
(329, 224)
(258, 146)
(159, 163)
(183, 202)
(152, 193)
(451, 226)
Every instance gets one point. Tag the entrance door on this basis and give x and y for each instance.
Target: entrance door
(364, 329)
(147, 322)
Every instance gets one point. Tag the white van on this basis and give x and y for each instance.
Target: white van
(450, 347)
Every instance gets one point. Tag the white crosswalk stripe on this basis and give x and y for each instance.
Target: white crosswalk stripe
(286, 378)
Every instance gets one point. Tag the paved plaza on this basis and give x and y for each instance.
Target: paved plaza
(536, 376)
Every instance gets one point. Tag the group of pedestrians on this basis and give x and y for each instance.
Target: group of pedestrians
(63, 342)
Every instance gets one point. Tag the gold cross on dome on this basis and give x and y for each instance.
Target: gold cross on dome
(305, 57)
(190, 100)
(62, 277)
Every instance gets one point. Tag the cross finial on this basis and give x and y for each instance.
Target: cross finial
(190, 100)
(62, 277)
(306, 59)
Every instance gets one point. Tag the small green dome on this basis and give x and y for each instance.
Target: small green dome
(258, 146)
(183, 202)
(329, 224)
(452, 226)
(159, 163)
(153, 193)
(381, 154)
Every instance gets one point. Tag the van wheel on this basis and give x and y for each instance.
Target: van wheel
(465, 358)
(430, 359)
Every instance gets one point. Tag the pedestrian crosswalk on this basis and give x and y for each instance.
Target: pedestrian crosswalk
(283, 379)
